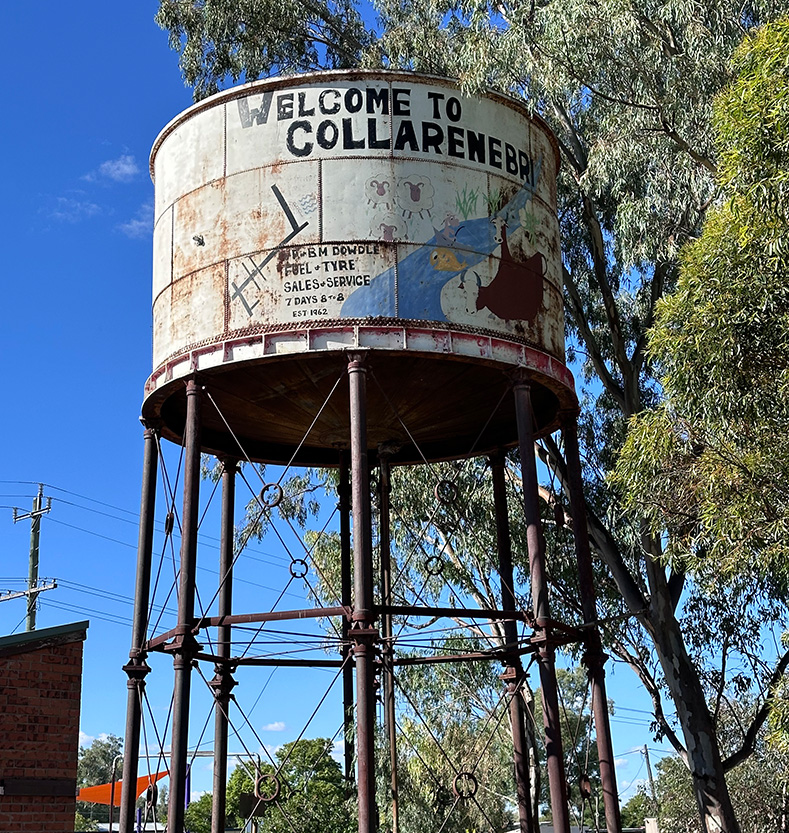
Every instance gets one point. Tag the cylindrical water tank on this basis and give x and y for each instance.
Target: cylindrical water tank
(301, 218)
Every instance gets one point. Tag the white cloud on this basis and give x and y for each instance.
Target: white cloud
(122, 169)
(633, 786)
(619, 762)
(73, 209)
(141, 225)
(86, 740)
(277, 726)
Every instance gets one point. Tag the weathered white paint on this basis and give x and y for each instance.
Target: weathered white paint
(342, 197)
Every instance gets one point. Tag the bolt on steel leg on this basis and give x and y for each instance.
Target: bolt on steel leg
(184, 644)
(137, 669)
(593, 657)
(363, 634)
(387, 632)
(222, 683)
(513, 674)
(346, 600)
(539, 587)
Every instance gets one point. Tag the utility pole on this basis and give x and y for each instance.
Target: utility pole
(35, 533)
(649, 776)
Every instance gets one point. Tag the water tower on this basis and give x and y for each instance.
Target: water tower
(361, 270)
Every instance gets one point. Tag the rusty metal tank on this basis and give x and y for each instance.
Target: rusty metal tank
(299, 219)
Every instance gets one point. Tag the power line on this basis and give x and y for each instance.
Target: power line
(275, 559)
(98, 614)
(627, 709)
(633, 780)
(205, 569)
(25, 483)
(95, 534)
(108, 594)
(130, 512)
(626, 722)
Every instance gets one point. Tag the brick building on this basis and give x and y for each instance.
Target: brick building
(40, 687)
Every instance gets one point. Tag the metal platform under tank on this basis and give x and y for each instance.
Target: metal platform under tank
(434, 394)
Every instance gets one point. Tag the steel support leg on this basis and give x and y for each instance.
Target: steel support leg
(346, 600)
(593, 657)
(363, 634)
(539, 587)
(222, 683)
(137, 668)
(387, 633)
(513, 674)
(184, 644)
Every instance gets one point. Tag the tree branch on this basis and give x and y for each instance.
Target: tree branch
(608, 550)
(648, 681)
(720, 688)
(655, 293)
(601, 539)
(578, 157)
(704, 161)
(590, 343)
(749, 741)
(669, 44)
(600, 271)
(676, 584)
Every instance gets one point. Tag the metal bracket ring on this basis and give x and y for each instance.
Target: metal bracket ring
(271, 502)
(446, 492)
(465, 785)
(299, 568)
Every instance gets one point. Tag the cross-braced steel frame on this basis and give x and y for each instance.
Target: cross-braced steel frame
(366, 635)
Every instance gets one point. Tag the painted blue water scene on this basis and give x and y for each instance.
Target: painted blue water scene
(458, 253)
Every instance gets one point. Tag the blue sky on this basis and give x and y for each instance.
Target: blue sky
(89, 86)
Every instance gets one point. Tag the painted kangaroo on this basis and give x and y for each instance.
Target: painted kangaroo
(515, 293)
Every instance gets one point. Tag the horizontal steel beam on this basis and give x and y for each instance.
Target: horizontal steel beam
(274, 616)
(250, 618)
(287, 662)
(465, 613)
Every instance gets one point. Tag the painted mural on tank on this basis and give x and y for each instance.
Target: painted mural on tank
(465, 272)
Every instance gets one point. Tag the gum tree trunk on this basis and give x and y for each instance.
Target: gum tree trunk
(703, 751)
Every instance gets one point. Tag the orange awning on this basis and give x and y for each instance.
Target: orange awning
(102, 794)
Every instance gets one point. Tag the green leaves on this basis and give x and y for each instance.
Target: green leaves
(752, 122)
(311, 791)
(198, 815)
(710, 467)
(231, 40)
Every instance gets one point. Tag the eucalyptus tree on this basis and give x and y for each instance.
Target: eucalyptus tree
(628, 89)
(759, 787)
(230, 40)
(710, 464)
